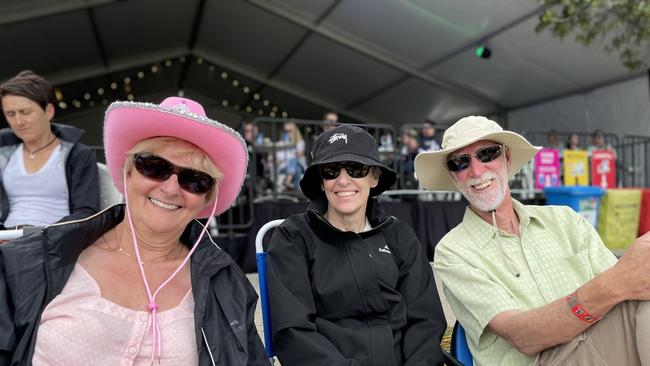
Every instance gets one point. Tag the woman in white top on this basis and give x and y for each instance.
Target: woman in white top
(47, 174)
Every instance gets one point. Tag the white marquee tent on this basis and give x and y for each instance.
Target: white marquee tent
(381, 61)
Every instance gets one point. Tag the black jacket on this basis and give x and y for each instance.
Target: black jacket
(80, 171)
(34, 269)
(340, 298)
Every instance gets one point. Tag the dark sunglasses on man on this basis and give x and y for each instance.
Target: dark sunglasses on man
(485, 155)
(332, 170)
(159, 169)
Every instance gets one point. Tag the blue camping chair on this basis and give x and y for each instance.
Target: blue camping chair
(459, 348)
(264, 294)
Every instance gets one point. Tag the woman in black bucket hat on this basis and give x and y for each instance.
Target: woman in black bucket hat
(350, 285)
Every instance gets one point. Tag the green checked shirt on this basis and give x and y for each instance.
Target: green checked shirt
(558, 251)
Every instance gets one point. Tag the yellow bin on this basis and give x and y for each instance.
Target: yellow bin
(618, 219)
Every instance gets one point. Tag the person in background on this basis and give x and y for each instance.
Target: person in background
(386, 141)
(410, 149)
(552, 141)
(330, 120)
(290, 156)
(140, 283)
(427, 137)
(351, 284)
(253, 137)
(598, 142)
(252, 133)
(573, 142)
(531, 285)
(47, 174)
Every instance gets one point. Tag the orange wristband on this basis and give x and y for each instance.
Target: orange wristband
(579, 311)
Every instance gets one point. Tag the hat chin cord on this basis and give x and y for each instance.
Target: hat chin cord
(153, 306)
(507, 258)
(512, 265)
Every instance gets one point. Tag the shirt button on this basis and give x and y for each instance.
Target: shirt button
(132, 350)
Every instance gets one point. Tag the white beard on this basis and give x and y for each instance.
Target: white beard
(487, 200)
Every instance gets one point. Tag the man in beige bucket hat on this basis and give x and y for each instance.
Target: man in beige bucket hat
(530, 284)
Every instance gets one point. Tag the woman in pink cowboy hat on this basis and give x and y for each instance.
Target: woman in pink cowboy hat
(141, 282)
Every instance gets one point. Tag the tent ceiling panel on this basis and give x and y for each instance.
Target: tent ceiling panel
(310, 10)
(137, 27)
(247, 35)
(48, 45)
(335, 72)
(542, 62)
(413, 101)
(417, 32)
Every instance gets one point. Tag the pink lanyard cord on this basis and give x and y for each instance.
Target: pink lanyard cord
(153, 306)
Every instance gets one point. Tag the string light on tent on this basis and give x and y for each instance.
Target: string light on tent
(58, 94)
(260, 105)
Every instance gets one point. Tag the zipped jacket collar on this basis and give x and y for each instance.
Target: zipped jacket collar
(315, 215)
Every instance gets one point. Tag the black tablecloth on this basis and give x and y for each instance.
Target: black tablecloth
(430, 221)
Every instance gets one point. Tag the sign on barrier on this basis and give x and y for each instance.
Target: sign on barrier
(576, 168)
(603, 168)
(547, 168)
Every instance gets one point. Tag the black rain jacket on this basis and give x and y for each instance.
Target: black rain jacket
(341, 298)
(34, 270)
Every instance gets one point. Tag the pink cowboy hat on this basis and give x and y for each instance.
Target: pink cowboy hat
(127, 123)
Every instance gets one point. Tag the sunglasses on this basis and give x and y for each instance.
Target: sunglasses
(484, 155)
(332, 170)
(159, 169)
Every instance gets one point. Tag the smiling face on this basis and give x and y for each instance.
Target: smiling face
(27, 119)
(484, 185)
(347, 197)
(163, 207)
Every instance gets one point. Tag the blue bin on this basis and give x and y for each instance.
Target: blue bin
(583, 200)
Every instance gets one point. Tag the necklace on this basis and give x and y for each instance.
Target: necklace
(143, 262)
(32, 154)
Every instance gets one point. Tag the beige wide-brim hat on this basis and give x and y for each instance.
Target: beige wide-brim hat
(431, 166)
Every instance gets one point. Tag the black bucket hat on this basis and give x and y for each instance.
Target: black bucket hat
(344, 143)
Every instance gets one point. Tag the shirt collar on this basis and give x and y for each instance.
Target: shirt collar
(482, 232)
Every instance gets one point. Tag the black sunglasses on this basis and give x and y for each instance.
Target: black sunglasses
(332, 170)
(159, 169)
(484, 155)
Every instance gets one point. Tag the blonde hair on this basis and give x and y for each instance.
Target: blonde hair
(294, 133)
(199, 160)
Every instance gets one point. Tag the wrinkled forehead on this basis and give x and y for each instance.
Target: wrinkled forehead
(472, 148)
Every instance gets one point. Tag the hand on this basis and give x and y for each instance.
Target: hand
(633, 269)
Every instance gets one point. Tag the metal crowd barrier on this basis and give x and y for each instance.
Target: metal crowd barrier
(634, 154)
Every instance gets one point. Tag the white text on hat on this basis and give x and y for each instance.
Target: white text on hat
(338, 136)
